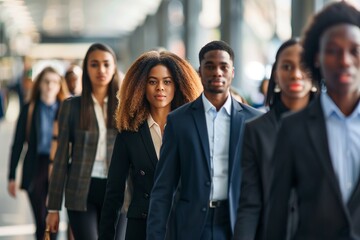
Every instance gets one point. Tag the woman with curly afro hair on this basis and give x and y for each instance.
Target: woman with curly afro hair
(318, 149)
(156, 83)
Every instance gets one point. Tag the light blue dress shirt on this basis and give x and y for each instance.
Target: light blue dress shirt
(47, 117)
(218, 127)
(344, 144)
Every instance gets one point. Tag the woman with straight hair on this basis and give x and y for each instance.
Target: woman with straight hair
(34, 127)
(86, 131)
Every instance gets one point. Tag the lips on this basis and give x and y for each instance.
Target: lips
(216, 82)
(345, 77)
(160, 97)
(296, 87)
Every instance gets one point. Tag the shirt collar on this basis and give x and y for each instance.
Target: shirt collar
(150, 121)
(96, 101)
(330, 107)
(51, 106)
(208, 105)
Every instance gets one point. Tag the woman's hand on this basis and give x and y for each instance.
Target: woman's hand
(12, 188)
(52, 221)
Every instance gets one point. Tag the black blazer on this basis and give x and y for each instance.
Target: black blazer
(134, 153)
(30, 163)
(185, 157)
(258, 145)
(302, 160)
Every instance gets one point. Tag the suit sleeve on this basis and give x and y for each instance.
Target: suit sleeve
(280, 187)
(166, 180)
(115, 188)
(250, 204)
(18, 142)
(60, 165)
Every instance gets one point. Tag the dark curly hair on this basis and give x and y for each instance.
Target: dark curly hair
(134, 108)
(333, 14)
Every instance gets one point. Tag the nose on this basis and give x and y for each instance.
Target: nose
(217, 71)
(160, 86)
(345, 59)
(298, 74)
(101, 68)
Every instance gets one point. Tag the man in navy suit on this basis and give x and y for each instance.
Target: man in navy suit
(201, 150)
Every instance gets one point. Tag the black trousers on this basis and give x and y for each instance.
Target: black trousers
(217, 225)
(37, 193)
(85, 225)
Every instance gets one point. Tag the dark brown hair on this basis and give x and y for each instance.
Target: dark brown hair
(86, 99)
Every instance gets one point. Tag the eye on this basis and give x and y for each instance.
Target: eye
(93, 65)
(332, 51)
(152, 82)
(209, 67)
(356, 51)
(225, 68)
(167, 82)
(286, 67)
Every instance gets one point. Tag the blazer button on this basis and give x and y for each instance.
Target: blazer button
(142, 172)
(203, 209)
(146, 195)
(143, 215)
(207, 183)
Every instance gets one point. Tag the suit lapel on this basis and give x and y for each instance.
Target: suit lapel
(200, 122)
(236, 123)
(318, 137)
(148, 143)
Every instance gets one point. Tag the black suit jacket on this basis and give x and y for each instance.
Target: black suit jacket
(258, 145)
(259, 142)
(134, 152)
(185, 157)
(302, 160)
(30, 163)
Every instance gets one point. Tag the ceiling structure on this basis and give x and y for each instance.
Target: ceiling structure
(69, 21)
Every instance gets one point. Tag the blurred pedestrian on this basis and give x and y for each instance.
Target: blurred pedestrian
(318, 149)
(34, 127)
(290, 90)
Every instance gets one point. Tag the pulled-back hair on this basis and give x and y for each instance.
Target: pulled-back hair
(272, 98)
(216, 45)
(35, 92)
(134, 108)
(334, 14)
(86, 99)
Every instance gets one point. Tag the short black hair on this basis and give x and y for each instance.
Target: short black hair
(333, 14)
(216, 45)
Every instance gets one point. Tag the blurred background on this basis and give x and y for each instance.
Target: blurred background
(35, 33)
